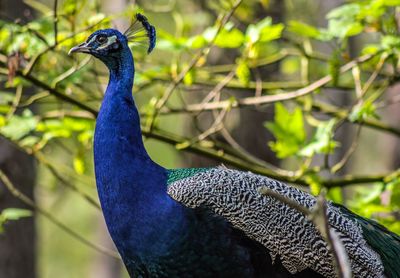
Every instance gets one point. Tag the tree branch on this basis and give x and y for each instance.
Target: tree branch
(319, 217)
(25, 199)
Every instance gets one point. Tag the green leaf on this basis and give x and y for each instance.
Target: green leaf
(343, 28)
(370, 49)
(322, 141)
(77, 124)
(303, 29)
(29, 141)
(79, 163)
(264, 31)
(361, 112)
(290, 65)
(395, 197)
(230, 39)
(97, 17)
(69, 6)
(243, 72)
(13, 214)
(86, 137)
(270, 33)
(19, 126)
(65, 128)
(196, 42)
(315, 184)
(335, 194)
(345, 11)
(188, 78)
(390, 42)
(391, 2)
(288, 129)
(169, 42)
(227, 37)
(2, 121)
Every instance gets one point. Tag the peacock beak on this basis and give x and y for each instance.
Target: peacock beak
(83, 48)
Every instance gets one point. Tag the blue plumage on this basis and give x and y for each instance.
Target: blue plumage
(156, 235)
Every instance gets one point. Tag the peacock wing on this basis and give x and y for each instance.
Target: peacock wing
(281, 229)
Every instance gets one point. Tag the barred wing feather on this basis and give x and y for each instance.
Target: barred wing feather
(284, 231)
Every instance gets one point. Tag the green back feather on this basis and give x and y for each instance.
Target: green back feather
(178, 174)
(383, 241)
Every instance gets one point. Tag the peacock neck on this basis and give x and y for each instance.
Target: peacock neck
(118, 110)
(118, 143)
(132, 188)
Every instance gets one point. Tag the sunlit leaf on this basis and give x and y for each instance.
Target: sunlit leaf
(188, 78)
(390, 42)
(95, 18)
(227, 37)
(288, 129)
(264, 31)
(29, 141)
(196, 42)
(314, 182)
(19, 126)
(290, 65)
(363, 111)
(12, 214)
(15, 213)
(306, 30)
(79, 164)
(243, 72)
(391, 2)
(349, 11)
(343, 29)
(322, 141)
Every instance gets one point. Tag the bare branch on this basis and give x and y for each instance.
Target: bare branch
(275, 98)
(25, 199)
(201, 54)
(318, 215)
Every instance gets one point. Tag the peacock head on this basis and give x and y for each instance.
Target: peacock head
(108, 45)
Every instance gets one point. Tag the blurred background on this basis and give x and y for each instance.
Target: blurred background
(304, 91)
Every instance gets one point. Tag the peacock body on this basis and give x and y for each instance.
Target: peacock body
(209, 222)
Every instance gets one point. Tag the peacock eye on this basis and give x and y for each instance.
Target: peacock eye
(101, 39)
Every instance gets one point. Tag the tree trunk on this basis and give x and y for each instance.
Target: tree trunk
(17, 243)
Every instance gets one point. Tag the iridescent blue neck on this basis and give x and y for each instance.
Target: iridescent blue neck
(118, 113)
(132, 188)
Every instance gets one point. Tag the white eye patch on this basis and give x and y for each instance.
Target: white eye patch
(110, 41)
(91, 40)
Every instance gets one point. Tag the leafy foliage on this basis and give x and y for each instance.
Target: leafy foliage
(288, 128)
(314, 76)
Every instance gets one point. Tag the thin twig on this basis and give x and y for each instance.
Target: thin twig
(25, 199)
(319, 216)
(16, 101)
(349, 152)
(55, 22)
(374, 75)
(201, 54)
(40, 157)
(275, 98)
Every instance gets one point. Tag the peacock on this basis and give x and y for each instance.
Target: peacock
(209, 222)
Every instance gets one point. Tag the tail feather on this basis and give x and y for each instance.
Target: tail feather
(383, 241)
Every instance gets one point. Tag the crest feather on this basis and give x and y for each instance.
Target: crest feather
(141, 29)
